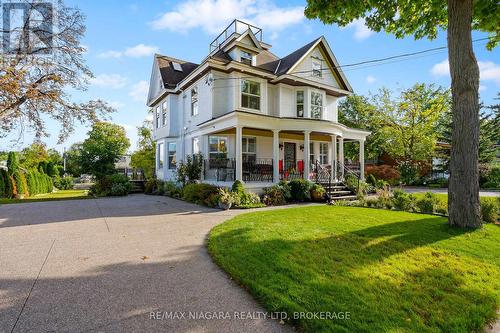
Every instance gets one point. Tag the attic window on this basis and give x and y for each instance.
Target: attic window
(246, 58)
(177, 66)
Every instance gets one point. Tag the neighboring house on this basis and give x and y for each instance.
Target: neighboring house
(254, 116)
(123, 167)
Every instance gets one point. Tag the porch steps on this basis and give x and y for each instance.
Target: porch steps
(338, 191)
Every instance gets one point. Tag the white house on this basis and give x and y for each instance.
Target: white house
(254, 116)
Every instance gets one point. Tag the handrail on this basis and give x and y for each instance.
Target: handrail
(349, 171)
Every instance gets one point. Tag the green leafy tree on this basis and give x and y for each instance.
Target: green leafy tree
(144, 157)
(423, 18)
(31, 156)
(105, 144)
(72, 156)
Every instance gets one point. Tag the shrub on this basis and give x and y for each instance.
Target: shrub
(115, 185)
(21, 190)
(370, 179)
(300, 190)
(64, 183)
(275, 195)
(242, 198)
(384, 198)
(442, 207)
(491, 178)
(238, 187)
(384, 172)
(402, 200)
(171, 189)
(371, 202)
(489, 209)
(8, 190)
(150, 186)
(160, 188)
(358, 186)
(198, 193)
(428, 203)
(190, 171)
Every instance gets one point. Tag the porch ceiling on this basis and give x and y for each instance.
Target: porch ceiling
(293, 135)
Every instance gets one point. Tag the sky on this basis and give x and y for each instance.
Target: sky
(122, 37)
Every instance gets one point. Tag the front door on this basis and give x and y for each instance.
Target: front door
(289, 154)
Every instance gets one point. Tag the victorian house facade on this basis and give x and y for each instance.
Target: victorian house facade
(253, 116)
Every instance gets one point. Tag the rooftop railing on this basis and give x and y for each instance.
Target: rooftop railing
(238, 27)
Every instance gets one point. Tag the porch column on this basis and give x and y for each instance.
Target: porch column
(333, 174)
(306, 154)
(276, 155)
(237, 155)
(362, 159)
(341, 156)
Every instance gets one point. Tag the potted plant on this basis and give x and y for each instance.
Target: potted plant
(226, 199)
(317, 192)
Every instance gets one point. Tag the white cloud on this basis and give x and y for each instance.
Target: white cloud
(370, 79)
(361, 31)
(137, 51)
(441, 68)
(214, 15)
(139, 91)
(488, 70)
(113, 81)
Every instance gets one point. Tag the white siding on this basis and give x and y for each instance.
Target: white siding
(304, 68)
(331, 109)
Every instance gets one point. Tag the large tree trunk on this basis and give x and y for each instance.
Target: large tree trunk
(463, 189)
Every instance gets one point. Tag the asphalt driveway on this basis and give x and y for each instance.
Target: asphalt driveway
(106, 265)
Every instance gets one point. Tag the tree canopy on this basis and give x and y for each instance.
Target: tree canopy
(105, 144)
(144, 157)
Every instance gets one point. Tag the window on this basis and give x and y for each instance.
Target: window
(194, 101)
(323, 153)
(250, 94)
(246, 58)
(177, 67)
(157, 113)
(316, 104)
(164, 114)
(311, 153)
(249, 149)
(300, 103)
(160, 155)
(317, 67)
(172, 152)
(217, 147)
(196, 145)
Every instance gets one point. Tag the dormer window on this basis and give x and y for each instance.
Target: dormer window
(177, 67)
(317, 67)
(246, 58)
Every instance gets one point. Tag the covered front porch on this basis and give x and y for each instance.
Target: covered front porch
(261, 157)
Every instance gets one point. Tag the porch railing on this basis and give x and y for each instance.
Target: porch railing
(291, 169)
(258, 170)
(344, 171)
(219, 169)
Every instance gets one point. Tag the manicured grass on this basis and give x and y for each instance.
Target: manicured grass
(58, 195)
(393, 271)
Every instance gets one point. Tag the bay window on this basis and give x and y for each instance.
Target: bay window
(157, 116)
(316, 104)
(250, 94)
(172, 153)
(160, 154)
(194, 101)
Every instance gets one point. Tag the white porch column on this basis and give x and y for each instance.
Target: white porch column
(237, 153)
(341, 156)
(276, 155)
(333, 174)
(306, 154)
(362, 159)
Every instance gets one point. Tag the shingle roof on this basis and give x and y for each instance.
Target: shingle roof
(281, 66)
(169, 75)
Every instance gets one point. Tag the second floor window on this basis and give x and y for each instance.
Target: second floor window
(250, 94)
(246, 58)
(316, 68)
(172, 152)
(164, 114)
(194, 101)
(316, 104)
(300, 103)
(157, 116)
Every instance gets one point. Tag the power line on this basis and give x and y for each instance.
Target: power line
(373, 62)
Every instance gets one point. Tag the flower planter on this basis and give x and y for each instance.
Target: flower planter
(225, 206)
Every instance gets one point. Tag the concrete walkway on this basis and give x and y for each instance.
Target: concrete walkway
(105, 265)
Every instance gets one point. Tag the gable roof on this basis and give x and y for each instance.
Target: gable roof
(169, 75)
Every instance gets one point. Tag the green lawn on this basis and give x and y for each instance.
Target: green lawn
(393, 271)
(58, 195)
